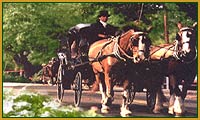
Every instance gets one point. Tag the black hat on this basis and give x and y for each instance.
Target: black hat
(103, 13)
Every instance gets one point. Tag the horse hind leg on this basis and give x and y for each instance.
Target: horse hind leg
(125, 112)
(171, 104)
(158, 103)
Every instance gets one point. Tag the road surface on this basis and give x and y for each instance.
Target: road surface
(90, 99)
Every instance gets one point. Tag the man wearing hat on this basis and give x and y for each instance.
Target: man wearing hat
(100, 29)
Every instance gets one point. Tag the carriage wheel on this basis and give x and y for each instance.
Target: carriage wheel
(132, 94)
(77, 89)
(60, 89)
(151, 99)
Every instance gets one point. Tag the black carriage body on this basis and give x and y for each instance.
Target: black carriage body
(72, 70)
(78, 34)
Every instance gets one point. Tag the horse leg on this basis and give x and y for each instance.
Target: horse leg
(109, 88)
(95, 85)
(176, 105)
(102, 88)
(187, 82)
(158, 103)
(124, 110)
(107, 97)
(105, 108)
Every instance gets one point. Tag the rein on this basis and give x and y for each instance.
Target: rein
(117, 49)
(188, 62)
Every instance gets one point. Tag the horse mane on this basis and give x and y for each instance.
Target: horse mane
(131, 30)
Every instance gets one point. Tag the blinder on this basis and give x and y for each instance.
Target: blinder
(134, 41)
(184, 55)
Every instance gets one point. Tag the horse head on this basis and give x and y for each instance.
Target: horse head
(140, 46)
(187, 42)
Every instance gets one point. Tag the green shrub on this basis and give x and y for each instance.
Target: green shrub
(29, 104)
(13, 78)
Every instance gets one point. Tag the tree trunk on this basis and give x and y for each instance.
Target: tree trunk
(29, 68)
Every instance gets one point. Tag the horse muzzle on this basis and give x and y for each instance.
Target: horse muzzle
(138, 59)
(187, 56)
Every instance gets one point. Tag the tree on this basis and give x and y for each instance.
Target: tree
(31, 29)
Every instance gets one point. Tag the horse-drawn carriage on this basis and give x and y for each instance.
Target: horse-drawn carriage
(72, 71)
(123, 55)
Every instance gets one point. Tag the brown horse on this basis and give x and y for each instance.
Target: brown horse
(108, 53)
(182, 62)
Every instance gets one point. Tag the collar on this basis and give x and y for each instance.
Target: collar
(103, 23)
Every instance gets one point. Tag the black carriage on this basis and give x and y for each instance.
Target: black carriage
(74, 67)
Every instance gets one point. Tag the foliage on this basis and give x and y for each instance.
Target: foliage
(37, 76)
(34, 28)
(30, 104)
(15, 78)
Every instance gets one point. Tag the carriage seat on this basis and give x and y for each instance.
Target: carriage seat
(81, 33)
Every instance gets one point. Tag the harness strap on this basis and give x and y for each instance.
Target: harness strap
(175, 54)
(99, 56)
(117, 51)
(186, 42)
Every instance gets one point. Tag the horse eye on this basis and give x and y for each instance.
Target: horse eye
(143, 39)
(178, 37)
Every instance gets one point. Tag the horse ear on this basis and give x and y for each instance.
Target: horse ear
(149, 29)
(194, 25)
(179, 25)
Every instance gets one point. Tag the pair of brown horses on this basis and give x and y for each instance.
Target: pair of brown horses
(116, 54)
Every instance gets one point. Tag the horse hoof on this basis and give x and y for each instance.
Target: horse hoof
(125, 113)
(171, 112)
(105, 111)
(178, 114)
(156, 111)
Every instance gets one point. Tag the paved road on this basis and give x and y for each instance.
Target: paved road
(90, 99)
